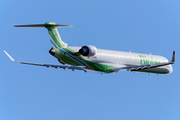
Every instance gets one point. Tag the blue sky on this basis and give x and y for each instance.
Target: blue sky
(33, 93)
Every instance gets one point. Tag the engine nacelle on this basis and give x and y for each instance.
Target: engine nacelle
(88, 50)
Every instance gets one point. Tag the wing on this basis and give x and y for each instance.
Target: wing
(144, 67)
(50, 65)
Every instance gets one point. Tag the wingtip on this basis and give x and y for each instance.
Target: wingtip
(9, 56)
(173, 57)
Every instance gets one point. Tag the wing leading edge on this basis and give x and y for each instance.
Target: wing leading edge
(144, 67)
(50, 65)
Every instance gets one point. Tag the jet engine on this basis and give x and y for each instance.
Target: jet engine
(88, 50)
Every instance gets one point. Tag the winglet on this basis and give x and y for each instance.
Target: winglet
(9, 56)
(173, 57)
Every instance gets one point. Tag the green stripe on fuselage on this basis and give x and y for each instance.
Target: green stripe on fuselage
(65, 58)
(91, 65)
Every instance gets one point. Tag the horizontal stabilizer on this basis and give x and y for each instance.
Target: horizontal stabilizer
(49, 24)
(35, 25)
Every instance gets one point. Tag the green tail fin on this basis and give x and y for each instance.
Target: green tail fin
(56, 40)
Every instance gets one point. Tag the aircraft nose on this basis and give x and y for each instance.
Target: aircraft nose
(170, 69)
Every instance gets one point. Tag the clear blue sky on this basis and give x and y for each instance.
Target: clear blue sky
(38, 93)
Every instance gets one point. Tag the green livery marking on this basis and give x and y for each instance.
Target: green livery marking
(147, 61)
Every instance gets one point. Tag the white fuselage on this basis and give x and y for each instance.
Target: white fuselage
(124, 59)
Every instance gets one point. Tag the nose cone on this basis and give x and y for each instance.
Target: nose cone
(170, 69)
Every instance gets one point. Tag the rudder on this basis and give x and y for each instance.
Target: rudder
(55, 38)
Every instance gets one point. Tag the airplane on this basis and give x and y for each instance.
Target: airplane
(89, 58)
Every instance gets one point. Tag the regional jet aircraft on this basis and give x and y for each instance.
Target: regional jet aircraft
(89, 58)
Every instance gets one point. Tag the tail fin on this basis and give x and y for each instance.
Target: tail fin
(56, 40)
